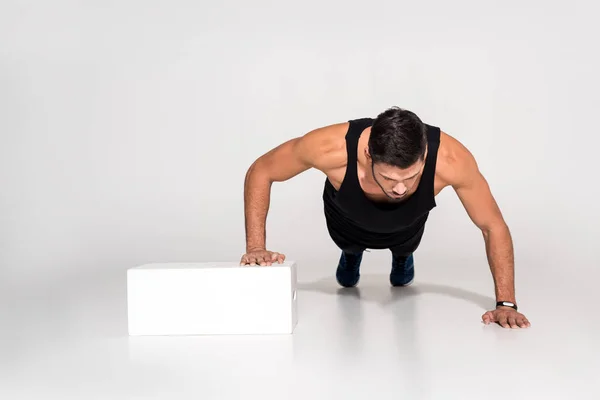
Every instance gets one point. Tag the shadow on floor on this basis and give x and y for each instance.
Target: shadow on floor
(376, 288)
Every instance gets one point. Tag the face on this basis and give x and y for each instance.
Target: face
(395, 182)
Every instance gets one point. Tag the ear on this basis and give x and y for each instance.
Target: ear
(367, 153)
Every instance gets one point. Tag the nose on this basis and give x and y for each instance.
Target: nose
(399, 189)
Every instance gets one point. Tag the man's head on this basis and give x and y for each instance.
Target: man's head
(397, 146)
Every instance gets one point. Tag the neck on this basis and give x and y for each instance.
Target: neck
(364, 163)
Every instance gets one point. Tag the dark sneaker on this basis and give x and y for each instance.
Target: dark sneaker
(348, 270)
(403, 270)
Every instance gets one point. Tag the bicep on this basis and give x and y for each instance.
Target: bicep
(284, 161)
(479, 203)
(315, 149)
(475, 194)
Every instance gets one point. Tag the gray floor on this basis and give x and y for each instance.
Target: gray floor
(421, 342)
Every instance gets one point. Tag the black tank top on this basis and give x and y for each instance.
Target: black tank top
(377, 223)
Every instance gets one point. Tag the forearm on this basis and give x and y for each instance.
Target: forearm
(500, 255)
(257, 194)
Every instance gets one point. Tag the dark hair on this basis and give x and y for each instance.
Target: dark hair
(398, 138)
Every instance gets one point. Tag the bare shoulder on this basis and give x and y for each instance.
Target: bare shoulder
(456, 165)
(321, 149)
(325, 147)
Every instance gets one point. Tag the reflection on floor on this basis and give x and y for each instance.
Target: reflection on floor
(425, 341)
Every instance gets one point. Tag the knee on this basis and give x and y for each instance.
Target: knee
(353, 249)
(402, 253)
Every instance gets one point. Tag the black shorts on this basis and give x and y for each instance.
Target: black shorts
(350, 237)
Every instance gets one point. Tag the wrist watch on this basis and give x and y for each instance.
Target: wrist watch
(506, 304)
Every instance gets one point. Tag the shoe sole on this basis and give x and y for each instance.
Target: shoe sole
(404, 285)
(347, 287)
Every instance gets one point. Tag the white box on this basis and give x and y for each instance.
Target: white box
(211, 299)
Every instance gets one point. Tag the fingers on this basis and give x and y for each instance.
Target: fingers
(503, 320)
(268, 258)
(263, 258)
(249, 259)
(506, 319)
(523, 322)
(488, 318)
(260, 259)
(277, 257)
(255, 259)
(273, 258)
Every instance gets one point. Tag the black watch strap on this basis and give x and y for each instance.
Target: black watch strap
(506, 304)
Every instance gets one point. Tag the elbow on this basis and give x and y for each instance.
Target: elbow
(257, 173)
(250, 171)
(253, 169)
(498, 227)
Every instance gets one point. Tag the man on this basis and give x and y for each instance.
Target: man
(382, 178)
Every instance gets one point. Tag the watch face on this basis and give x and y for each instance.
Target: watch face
(506, 304)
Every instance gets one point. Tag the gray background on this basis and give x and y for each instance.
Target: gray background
(126, 129)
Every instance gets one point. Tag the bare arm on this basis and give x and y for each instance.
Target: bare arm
(280, 164)
(475, 195)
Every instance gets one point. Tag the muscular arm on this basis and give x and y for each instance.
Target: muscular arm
(475, 195)
(280, 164)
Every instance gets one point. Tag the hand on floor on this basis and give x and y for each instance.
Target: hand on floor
(506, 317)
